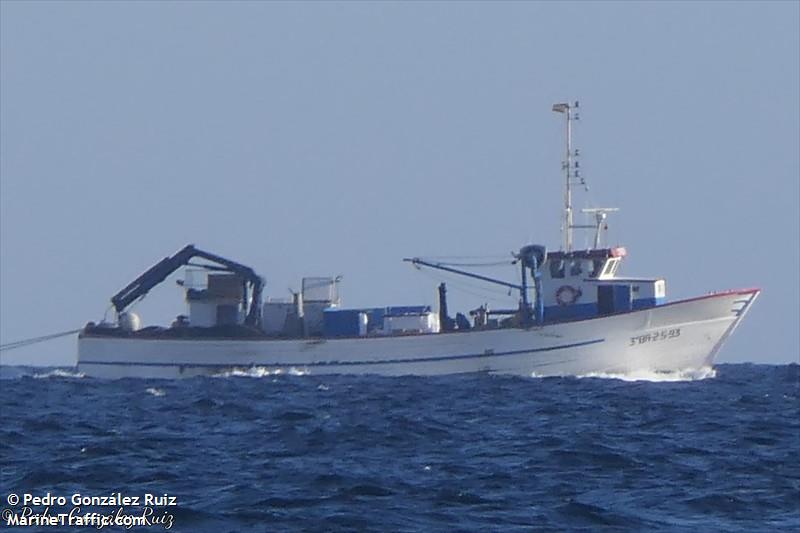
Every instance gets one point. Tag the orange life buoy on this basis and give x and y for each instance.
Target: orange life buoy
(567, 295)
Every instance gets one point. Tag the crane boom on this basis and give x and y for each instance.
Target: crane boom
(161, 270)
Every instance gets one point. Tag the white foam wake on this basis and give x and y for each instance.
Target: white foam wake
(687, 374)
(259, 372)
(60, 373)
(155, 392)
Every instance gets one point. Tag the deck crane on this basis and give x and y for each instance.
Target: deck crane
(139, 287)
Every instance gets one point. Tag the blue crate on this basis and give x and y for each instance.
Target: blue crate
(341, 322)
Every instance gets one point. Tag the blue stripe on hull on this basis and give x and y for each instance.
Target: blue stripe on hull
(431, 359)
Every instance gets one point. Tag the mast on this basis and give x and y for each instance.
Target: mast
(570, 168)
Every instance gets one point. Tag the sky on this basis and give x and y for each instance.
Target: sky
(322, 138)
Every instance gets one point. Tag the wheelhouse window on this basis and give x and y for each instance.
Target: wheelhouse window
(611, 267)
(556, 268)
(576, 267)
(597, 267)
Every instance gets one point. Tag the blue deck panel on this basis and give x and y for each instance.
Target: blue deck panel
(556, 313)
(644, 303)
(341, 322)
(622, 298)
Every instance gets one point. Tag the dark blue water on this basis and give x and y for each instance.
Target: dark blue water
(306, 453)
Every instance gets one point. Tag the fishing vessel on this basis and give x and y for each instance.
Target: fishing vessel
(576, 315)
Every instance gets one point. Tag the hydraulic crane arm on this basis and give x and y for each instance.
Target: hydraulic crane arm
(161, 270)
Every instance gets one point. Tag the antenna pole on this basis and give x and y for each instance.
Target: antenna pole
(600, 216)
(571, 168)
(567, 167)
(568, 193)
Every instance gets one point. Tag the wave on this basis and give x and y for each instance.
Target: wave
(655, 376)
(688, 374)
(26, 371)
(259, 372)
(59, 373)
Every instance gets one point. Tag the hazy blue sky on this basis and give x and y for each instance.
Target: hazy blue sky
(337, 138)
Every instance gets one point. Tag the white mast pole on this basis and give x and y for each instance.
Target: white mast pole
(567, 167)
(568, 195)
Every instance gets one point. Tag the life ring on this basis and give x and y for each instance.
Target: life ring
(567, 295)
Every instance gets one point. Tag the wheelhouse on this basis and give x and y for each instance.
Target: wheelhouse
(584, 284)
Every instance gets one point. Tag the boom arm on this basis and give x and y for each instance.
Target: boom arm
(531, 257)
(161, 270)
(418, 261)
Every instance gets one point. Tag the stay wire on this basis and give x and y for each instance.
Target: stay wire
(35, 340)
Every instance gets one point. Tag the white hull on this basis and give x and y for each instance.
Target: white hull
(669, 338)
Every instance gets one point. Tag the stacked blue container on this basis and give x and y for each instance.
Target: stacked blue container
(341, 322)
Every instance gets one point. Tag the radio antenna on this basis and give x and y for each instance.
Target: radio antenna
(572, 175)
(571, 168)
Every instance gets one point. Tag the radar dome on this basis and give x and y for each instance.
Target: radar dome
(130, 322)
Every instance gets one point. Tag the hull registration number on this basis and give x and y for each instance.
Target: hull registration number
(656, 336)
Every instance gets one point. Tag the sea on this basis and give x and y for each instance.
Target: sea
(717, 450)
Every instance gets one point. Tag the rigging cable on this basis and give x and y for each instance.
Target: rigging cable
(474, 289)
(474, 265)
(36, 340)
